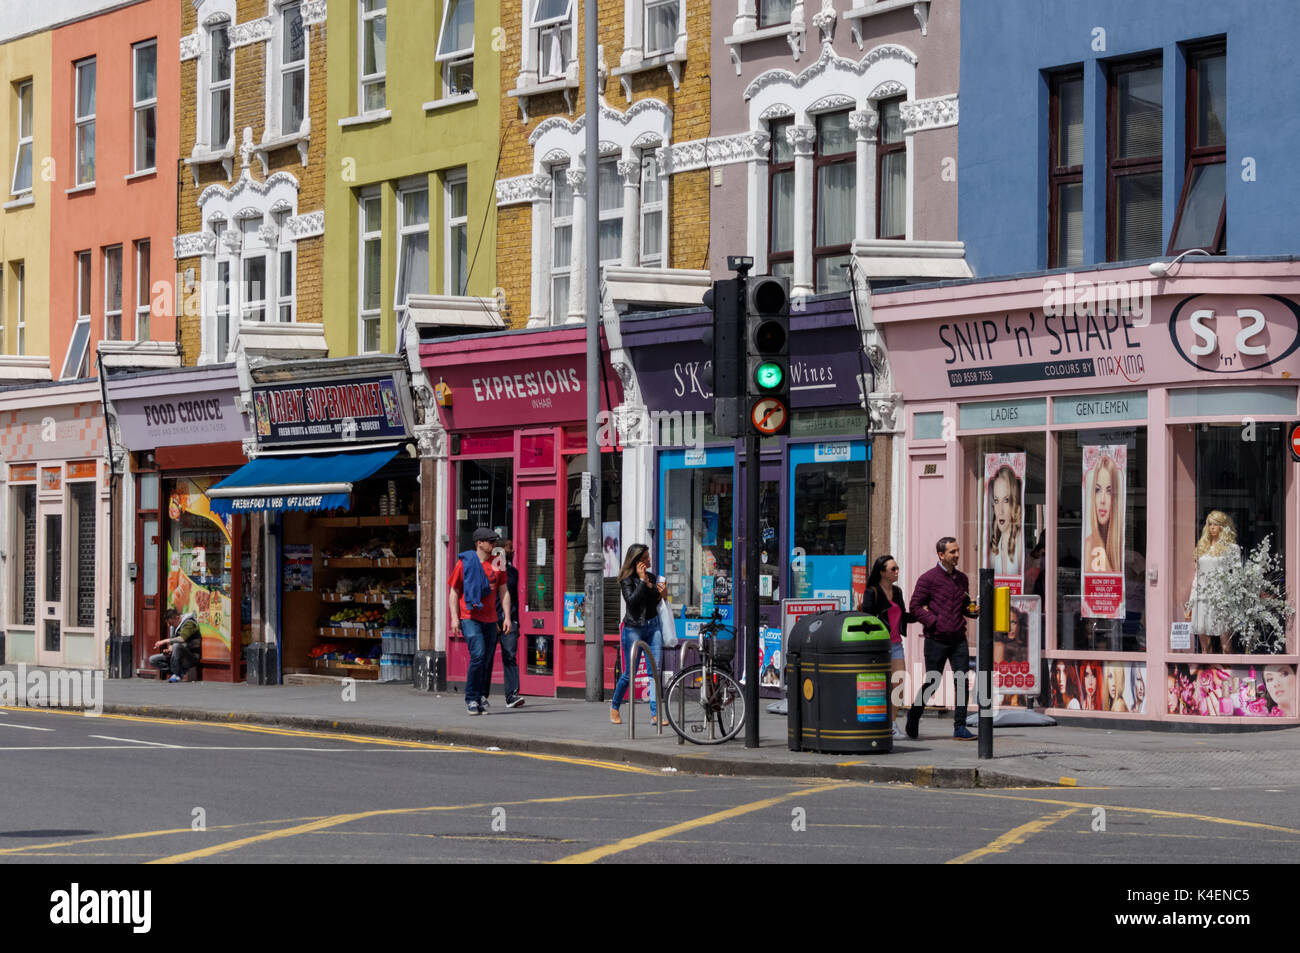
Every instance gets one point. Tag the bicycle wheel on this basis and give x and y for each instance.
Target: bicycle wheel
(704, 710)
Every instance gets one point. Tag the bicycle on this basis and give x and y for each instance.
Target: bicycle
(704, 703)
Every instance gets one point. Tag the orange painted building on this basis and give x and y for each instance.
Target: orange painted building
(115, 146)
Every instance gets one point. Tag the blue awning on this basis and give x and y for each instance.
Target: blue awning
(314, 481)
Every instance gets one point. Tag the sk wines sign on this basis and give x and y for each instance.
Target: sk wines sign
(345, 411)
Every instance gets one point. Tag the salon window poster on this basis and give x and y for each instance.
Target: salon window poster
(1103, 531)
(1004, 519)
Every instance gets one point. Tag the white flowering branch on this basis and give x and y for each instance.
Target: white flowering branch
(1249, 600)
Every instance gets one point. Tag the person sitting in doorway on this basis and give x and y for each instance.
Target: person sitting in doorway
(181, 651)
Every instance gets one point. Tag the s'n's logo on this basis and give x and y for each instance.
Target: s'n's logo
(1224, 335)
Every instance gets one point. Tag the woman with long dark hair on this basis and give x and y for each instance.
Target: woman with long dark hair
(642, 593)
(884, 600)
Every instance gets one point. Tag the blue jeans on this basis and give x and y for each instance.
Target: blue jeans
(481, 640)
(509, 642)
(652, 634)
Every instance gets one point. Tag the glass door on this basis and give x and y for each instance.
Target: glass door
(539, 613)
(49, 633)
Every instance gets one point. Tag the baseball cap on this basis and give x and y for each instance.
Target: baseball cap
(484, 534)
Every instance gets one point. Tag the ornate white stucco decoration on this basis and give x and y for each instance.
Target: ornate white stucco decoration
(305, 226)
(313, 12)
(831, 79)
(922, 114)
(250, 199)
(193, 244)
(824, 20)
(722, 150)
(618, 132)
(191, 46)
(251, 31)
(887, 90)
(523, 189)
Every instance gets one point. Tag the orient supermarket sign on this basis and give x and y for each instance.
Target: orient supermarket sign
(327, 411)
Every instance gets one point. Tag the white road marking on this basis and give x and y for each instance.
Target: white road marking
(135, 741)
(28, 727)
(136, 746)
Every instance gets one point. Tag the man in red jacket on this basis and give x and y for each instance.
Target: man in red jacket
(941, 603)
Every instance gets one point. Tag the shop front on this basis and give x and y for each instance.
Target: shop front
(813, 484)
(184, 432)
(514, 405)
(56, 492)
(332, 498)
(1116, 450)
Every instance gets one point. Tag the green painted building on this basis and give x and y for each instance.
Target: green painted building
(414, 115)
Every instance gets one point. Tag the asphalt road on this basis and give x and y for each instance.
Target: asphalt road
(126, 789)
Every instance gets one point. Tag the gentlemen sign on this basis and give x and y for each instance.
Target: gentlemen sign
(351, 410)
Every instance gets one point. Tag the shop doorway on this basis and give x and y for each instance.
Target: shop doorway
(536, 558)
(49, 635)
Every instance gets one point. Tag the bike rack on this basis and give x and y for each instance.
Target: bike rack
(640, 646)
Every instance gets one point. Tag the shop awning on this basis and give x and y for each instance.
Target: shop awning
(314, 481)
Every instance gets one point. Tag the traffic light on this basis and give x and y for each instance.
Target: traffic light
(728, 389)
(767, 355)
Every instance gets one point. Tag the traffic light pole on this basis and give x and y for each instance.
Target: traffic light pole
(753, 659)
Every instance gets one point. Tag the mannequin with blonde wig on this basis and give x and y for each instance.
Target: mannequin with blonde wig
(1216, 551)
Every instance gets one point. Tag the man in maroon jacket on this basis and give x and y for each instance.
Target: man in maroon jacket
(941, 603)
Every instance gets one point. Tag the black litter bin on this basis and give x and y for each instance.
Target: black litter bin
(837, 673)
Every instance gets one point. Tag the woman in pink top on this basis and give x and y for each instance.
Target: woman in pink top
(884, 600)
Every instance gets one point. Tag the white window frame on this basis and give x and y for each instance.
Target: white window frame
(253, 247)
(542, 30)
(367, 80)
(557, 222)
(143, 287)
(655, 257)
(612, 214)
(229, 290)
(286, 264)
(24, 88)
(403, 231)
(110, 312)
(21, 316)
(454, 59)
(458, 178)
(365, 315)
(84, 266)
(279, 71)
(645, 27)
(143, 106)
(212, 87)
(83, 122)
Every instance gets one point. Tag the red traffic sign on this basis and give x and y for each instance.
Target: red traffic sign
(1294, 441)
(768, 415)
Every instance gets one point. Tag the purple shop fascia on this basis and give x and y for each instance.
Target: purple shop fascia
(679, 478)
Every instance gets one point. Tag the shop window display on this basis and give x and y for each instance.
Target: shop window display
(485, 498)
(1101, 535)
(828, 533)
(575, 535)
(697, 540)
(199, 564)
(24, 577)
(1228, 501)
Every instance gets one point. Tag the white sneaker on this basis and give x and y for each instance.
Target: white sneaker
(898, 732)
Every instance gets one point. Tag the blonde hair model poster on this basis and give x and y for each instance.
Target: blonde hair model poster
(1004, 519)
(1103, 531)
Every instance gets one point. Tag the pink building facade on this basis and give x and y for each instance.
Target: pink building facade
(1137, 431)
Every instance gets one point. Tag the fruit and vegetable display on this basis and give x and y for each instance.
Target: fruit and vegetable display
(357, 617)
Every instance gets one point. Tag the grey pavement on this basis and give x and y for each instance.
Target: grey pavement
(1057, 754)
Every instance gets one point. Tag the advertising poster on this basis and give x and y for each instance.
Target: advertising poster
(1103, 531)
(198, 577)
(609, 532)
(1093, 685)
(1015, 655)
(573, 620)
(1004, 519)
(297, 568)
(859, 585)
(1249, 691)
(770, 670)
(538, 660)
